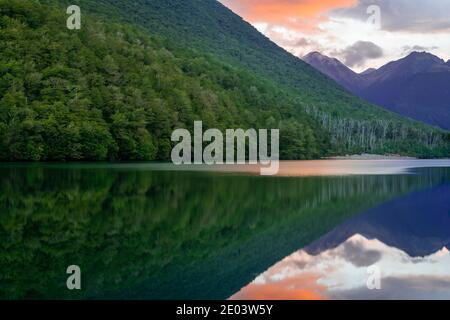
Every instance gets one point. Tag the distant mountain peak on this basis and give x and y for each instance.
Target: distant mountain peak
(423, 55)
(368, 71)
(333, 68)
(313, 53)
(319, 57)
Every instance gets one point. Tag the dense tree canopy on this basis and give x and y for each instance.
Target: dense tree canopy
(113, 91)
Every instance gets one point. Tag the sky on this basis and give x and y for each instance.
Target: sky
(361, 33)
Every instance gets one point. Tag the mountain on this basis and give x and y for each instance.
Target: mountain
(335, 69)
(116, 89)
(415, 86)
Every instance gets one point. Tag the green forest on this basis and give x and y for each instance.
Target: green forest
(116, 90)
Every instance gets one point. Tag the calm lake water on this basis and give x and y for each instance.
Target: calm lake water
(151, 231)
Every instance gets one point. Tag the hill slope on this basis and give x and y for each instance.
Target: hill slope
(111, 91)
(116, 91)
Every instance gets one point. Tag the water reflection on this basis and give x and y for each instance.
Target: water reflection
(342, 167)
(408, 239)
(138, 233)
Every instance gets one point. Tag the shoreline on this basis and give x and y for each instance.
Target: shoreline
(372, 157)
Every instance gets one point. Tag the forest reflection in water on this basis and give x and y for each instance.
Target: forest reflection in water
(164, 234)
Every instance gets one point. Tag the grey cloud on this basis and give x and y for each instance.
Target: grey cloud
(299, 46)
(404, 288)
(408, 49)
(358, 53)
(415, 16)
(360, 256)
(302, 42)
(296, 43)
(300, 264)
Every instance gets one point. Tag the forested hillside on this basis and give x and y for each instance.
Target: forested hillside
(116, 89)
(208, 26)
(110, 91)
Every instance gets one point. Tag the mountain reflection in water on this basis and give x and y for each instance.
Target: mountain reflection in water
(143, 231)
(408, 239)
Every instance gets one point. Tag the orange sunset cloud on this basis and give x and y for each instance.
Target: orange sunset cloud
(288, 13)
(336, 27)
(300, 287)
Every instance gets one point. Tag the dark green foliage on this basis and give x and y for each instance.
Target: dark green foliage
(113, 91)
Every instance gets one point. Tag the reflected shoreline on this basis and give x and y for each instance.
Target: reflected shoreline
(301, 168)
(345, 167)
(137, 233)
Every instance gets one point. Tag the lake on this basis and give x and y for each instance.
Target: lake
(153, 231)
